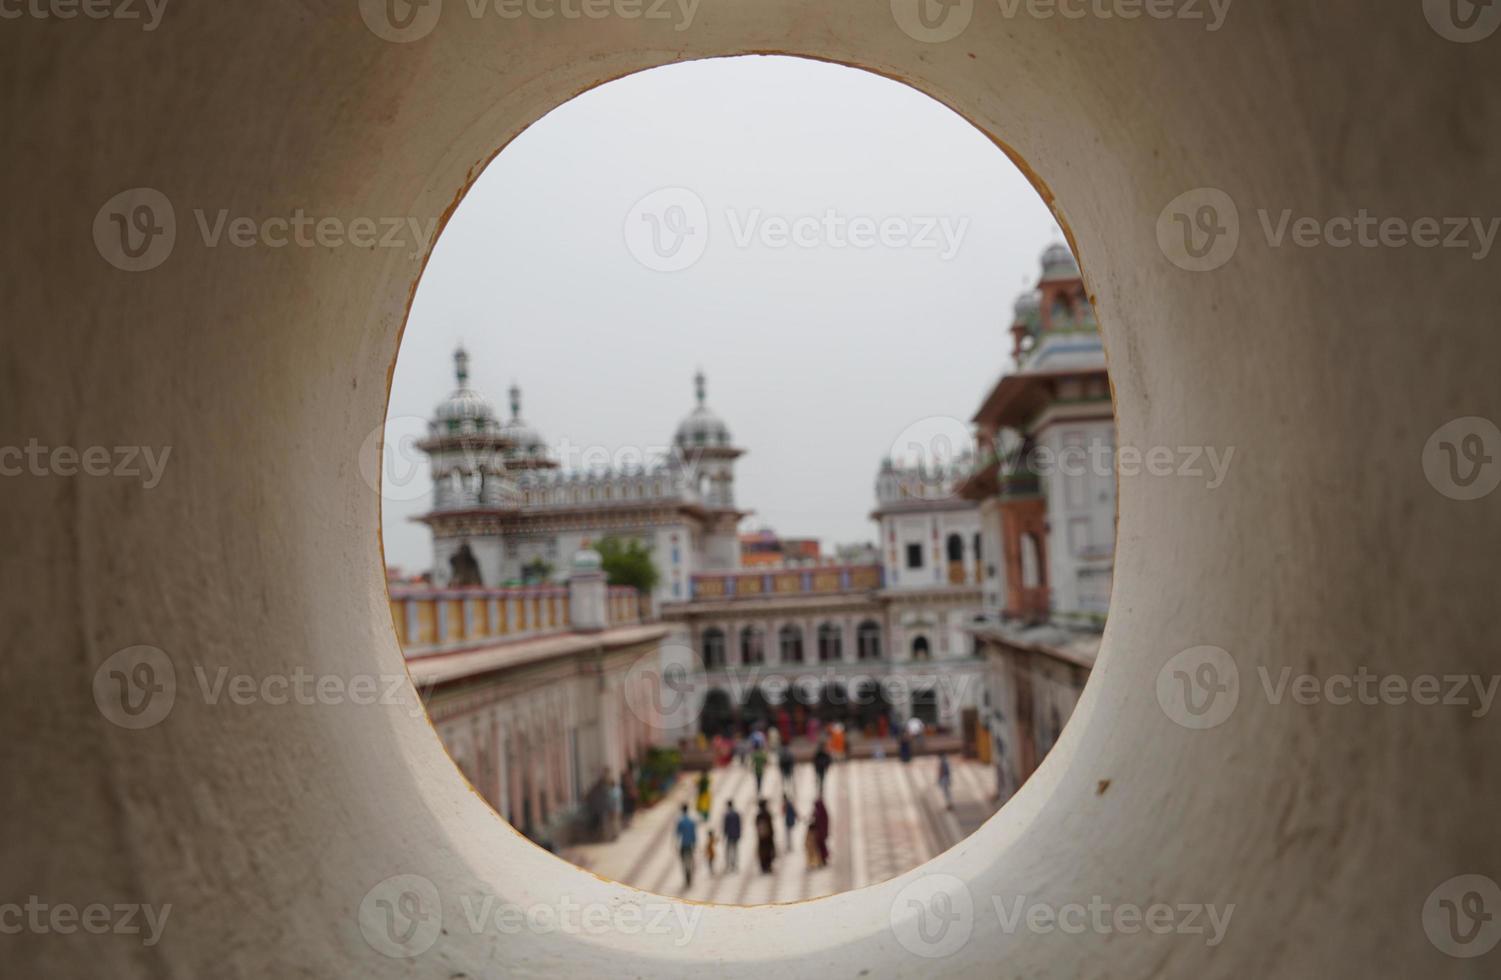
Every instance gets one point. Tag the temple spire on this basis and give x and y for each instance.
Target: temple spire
(700, 386)
(515, 401)
(461, 365)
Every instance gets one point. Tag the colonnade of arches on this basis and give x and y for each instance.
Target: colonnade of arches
(750, 644)
(864, 706)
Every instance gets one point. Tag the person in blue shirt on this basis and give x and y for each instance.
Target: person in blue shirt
(687, 832)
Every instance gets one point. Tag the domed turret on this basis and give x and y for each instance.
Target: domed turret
(708, 456)
(702, 429)
(527, 447)
(587, 561)
(1058, 263)
(1028, 305)
(466, 410)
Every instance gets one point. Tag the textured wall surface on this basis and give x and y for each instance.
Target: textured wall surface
(265, 369)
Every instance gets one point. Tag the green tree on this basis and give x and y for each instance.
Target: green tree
(628, 562)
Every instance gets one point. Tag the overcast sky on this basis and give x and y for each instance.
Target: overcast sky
(825, 341)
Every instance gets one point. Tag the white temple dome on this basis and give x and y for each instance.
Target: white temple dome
(1059, 263)
(465, 404)
(1028, 304)
(526, 440)
(702, 427)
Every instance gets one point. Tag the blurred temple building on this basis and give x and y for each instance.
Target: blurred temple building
(977, 610)
(1045, 486)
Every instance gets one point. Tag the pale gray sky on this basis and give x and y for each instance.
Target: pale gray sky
(819, 356)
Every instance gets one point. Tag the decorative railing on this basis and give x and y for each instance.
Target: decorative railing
(814, 580)
(430, 621)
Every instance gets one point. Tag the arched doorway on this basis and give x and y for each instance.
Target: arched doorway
(925, 706)
(870, 708)
(718, 717)
(757, 710)
(833, 703)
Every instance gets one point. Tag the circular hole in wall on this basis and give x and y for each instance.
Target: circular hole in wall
(751, 440)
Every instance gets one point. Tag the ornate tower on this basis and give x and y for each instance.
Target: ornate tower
(466, 447)
(527, 450)
(704, 443)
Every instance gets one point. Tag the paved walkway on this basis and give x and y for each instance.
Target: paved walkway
(887, 818)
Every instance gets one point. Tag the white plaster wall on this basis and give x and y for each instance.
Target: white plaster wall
(1080, 505)
(268, 828)
(487, 550)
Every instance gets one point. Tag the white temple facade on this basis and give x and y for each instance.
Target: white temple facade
(505, 513)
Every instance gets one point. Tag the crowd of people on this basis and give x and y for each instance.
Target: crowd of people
(700, 838)
(758, 750)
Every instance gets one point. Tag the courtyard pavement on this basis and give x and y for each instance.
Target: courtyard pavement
(886, 819)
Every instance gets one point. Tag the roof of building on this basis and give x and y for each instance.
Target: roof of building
(465, 405)
(1077, 647)
(442, 668)
(702, 428)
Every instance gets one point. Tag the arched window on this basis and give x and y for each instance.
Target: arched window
(920, 650)
(752, 645)
(790, 639)
(868, 640)
(956, 548)
(829, 643)
(977, 546)
(713, 647)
